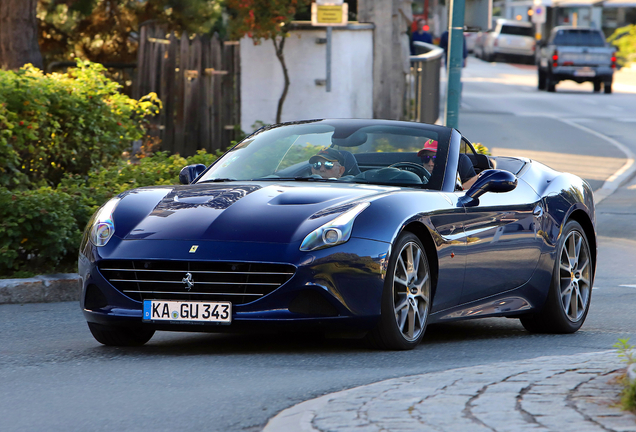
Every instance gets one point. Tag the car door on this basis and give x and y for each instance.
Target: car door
(502, 243)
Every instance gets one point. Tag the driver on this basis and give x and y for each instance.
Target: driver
(465, 167)
(327, 163)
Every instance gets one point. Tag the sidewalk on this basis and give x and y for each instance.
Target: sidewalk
(566, 393)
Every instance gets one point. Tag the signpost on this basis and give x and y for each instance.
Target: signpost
(329, 13)
(454, 63)
(538, 17)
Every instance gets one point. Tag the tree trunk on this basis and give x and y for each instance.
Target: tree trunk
(279, 54)
(391, 60)
(18, 34)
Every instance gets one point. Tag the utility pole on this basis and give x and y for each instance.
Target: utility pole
(455, 62)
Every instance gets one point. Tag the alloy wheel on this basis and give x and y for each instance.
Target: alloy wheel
(411, 291)
(574, 276)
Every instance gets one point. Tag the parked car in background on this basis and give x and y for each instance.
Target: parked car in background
(577, 54)
(513, 40)
(471, 39)
(478, 48)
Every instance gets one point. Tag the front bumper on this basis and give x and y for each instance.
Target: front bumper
(348, 279)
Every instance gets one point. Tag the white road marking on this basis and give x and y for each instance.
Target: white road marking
(628, 286)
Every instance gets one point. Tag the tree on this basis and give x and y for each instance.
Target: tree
(18, 34)
(266, 19)
(107, 30)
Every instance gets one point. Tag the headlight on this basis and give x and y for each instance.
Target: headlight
(333, 233)
(103, 226)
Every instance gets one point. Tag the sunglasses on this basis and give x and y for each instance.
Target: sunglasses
(427, 159)
(328, 165)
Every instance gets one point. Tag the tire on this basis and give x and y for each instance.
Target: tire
(541, 80)
(607, 87)
(597, 86)
(549, 83)
(120, 336)
(570, 294)
(406, 298)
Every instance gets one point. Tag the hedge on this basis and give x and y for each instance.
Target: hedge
(41, 228)
(55, 124)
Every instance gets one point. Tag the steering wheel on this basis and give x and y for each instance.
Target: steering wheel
(414, 168)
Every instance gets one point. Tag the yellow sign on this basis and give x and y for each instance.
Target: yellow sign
(329, 15)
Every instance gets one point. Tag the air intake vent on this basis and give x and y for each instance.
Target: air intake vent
(237, 282)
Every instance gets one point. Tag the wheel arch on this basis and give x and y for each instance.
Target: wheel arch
(584, 220)
(424, 235)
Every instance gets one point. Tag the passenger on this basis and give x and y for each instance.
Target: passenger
(465, 167)
(327, 163)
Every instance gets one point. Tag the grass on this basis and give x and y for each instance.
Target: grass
(628, 395)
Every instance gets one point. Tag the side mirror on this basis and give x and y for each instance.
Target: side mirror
(495, 181)
(191, 172)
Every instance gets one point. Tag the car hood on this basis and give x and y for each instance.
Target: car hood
(260, 212)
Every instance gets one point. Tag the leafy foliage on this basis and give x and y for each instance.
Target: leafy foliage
(40, 228)
(107, 30)
(263, 19)
(64, 123)
(37, 228)
(624, 38)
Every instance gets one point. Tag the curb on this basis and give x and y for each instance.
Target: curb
(41, 289)
(567, 393)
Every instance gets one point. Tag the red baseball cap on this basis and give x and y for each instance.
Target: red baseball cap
(430, 145)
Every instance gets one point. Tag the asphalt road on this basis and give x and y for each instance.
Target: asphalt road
(54, 376)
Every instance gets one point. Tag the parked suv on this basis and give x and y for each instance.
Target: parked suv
(578, 54)
(509, 38)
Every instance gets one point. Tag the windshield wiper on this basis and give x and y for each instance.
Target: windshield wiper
(217, 180)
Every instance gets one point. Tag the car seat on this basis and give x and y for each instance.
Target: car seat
(350, 163)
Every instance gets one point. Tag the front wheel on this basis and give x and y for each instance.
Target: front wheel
(406, 299)
(568, 300)
(120, 336)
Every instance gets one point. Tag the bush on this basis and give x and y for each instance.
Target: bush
(64, 123)
(41, 228)
(624, 38)
(38, 228)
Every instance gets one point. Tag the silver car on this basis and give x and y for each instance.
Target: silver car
(510, 39)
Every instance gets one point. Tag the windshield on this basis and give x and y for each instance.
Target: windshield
(575, 37)
(354, 151)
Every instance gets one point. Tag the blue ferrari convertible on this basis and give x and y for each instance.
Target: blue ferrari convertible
(368, 226)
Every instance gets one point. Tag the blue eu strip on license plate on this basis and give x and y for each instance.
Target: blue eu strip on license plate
(187, 311)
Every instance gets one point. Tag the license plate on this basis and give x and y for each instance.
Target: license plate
(187, 311)
(585, 72)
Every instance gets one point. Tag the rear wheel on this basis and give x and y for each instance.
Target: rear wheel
(568, 300)
(597, 86)
(120, 336)
(550, 85)
(607, 87)
(406, 299)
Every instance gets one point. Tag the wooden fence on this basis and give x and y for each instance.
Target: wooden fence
(198, 82)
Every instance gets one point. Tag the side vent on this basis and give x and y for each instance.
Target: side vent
(311, 302)
(95, 298)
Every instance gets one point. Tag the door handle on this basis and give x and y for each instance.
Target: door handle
(538, 211)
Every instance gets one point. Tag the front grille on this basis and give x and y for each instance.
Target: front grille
(237, 282)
